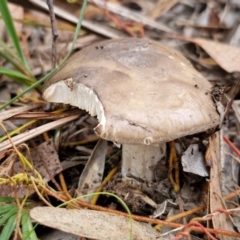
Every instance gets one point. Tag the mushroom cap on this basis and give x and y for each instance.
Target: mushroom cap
(142, 92)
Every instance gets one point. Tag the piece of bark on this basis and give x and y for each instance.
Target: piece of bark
(220, 220)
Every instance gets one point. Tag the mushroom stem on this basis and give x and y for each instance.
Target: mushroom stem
(140, 160)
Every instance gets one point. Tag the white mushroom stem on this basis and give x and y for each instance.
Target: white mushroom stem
(141, 160)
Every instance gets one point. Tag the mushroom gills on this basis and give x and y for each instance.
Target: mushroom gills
(78, 95)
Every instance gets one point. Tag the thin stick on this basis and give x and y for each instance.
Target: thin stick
(54, 32)
(229, 105)
(231, 145)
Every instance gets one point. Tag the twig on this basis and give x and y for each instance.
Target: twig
(189, 227)
(231, 145)
(232, 98)
(54, 31)
(79, 203)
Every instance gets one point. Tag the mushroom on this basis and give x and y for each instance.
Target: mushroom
(143, 94)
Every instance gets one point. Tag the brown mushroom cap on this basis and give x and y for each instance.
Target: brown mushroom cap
(141, 91)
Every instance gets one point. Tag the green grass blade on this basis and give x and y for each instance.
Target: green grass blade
(17, 76)
(14, 61)
(27, 90)
(10, 213)
(8, 57)
(7, 18)
(9, 227)
(78, 28)
(4, 209)
(12, 57)
(7, 200)
(9, 51)
(27, 227)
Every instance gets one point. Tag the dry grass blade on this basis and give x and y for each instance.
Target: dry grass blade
(46, 115)
(21, 138)
(124, 12)
(162, 6)
(93, 26)
(17, 110)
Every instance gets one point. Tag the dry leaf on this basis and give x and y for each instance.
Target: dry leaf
(228, 57)
(18, 13)
(22, 137)
(93, 224)
(193, 161)
(161, 7)
(45, 160)
(92, 174)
